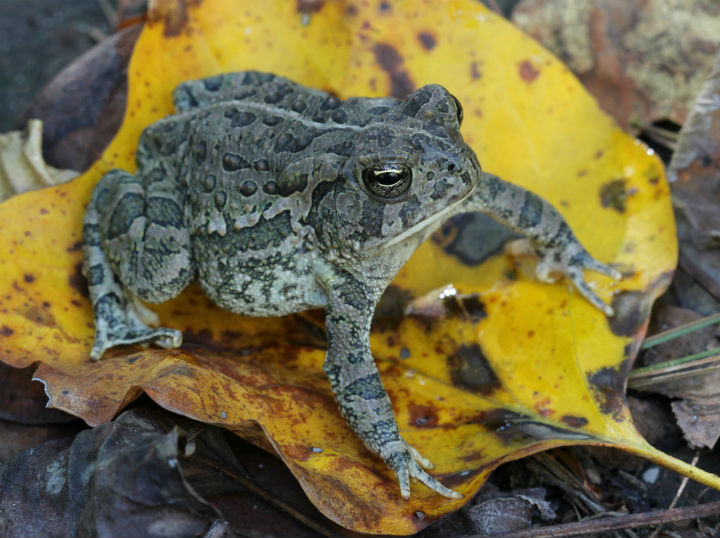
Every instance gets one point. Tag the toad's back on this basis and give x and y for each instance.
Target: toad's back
(245, 151)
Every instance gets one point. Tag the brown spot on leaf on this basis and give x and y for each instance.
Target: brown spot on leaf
(614, 195)
(422, 416)
(38, 315)
(632, 309)
(573, 421)
(608, 386)
(390, 60)
(309, 6)
(391, 308)
(6, 331)
(173, 15)
(527, 71)
(475, 72)
(465, 307)
(470, 369)
(427, 40)
(78, 282)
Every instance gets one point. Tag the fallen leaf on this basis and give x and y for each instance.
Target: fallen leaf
(21, 162)
(694, 171)
(644, 61)
(83, 105)
(121, 479)
(24, 401)
(697, 404)
(504, 368)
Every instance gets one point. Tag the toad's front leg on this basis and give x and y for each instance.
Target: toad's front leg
(355, 381)
(555, 243)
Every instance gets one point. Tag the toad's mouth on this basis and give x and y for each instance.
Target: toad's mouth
(443, 214)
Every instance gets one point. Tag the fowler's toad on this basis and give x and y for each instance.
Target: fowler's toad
(280, 198)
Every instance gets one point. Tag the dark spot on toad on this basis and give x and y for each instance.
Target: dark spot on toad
(220, 199)
(29, 278)
(232, 162)
(78, 282)
(405, 353)
(261, 165)
(614, 195)
(248, 187)
(385, 7)
(470, 368)
(573, 421)
(77, 245)
(527, 71)
(475, 71)
(339, 116)
(427, 40)
(272, 121)
(239, 118)
(270, 187)
(391, 62)
(6, 331)
(212, 84)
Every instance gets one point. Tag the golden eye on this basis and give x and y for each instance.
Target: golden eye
(387, 180)
(459, 109)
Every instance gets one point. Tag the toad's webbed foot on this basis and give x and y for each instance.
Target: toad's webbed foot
(122, 335)
(573, 266)
(407, 462)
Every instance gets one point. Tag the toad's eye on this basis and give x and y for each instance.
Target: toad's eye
(459, 109)
(387, 180)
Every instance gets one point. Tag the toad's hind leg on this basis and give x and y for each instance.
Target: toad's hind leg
(135, 246)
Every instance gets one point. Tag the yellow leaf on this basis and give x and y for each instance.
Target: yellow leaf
(502, 368)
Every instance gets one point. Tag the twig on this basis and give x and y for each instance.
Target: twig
(109, 12)
(582, 528)
(665, 372)
(676, 332)
(677, 495)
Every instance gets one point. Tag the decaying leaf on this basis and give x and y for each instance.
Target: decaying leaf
(121, 479)
(697, 408)
(626, 54)
(694, 173)
(497, 367)
(83, 105)
(21, 162)
(695, 167)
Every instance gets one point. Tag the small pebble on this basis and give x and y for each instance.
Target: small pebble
(650, 475)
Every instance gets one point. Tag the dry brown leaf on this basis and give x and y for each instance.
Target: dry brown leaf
(644, 61)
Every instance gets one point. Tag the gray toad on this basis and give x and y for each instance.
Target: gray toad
(279, 198)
